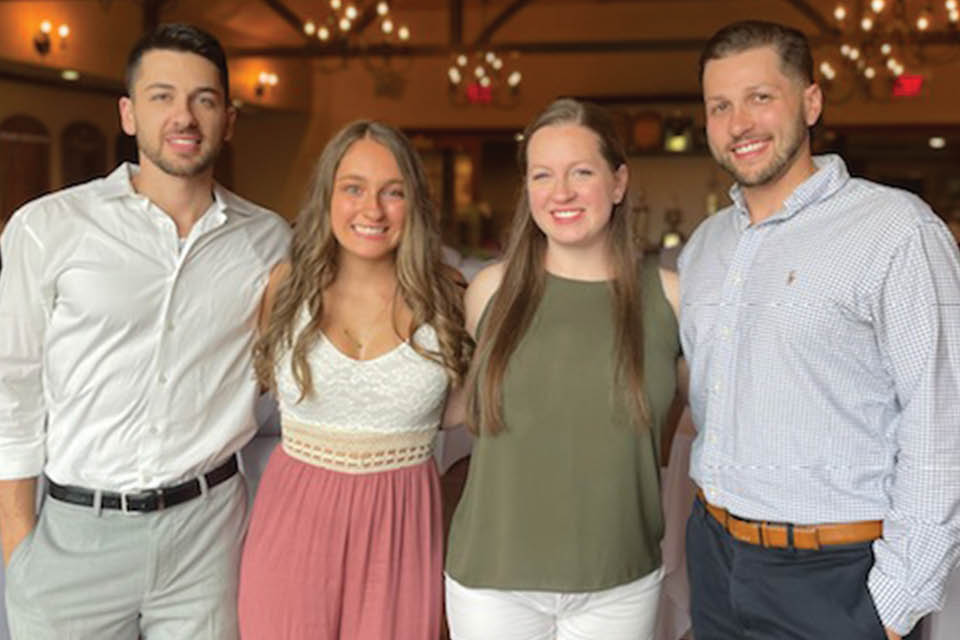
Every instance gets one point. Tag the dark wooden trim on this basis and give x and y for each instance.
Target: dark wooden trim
(287, 15)
(815, 17)
(456, 23)
(498, 22)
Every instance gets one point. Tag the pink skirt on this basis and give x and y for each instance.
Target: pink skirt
(339, 556)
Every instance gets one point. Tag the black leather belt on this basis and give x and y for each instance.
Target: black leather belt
(144, 501)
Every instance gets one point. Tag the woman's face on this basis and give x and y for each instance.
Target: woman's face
(369, 203)
(570, 186)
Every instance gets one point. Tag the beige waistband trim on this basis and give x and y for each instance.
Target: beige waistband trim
(352, 452)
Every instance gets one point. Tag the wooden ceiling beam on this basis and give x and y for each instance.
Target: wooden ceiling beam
(498, 22)
(456, 23)
(817, 18)
(287, 15)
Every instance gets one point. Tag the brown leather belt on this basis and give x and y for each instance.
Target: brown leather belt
(790, 536)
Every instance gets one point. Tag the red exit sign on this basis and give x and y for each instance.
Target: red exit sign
(906, 86)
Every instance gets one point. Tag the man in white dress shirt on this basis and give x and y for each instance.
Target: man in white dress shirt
(127, 316)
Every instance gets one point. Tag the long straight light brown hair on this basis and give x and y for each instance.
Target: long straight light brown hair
(512, 307)
(425, 284)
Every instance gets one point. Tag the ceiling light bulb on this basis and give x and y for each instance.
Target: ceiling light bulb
(869, 73)
(335, 5)
(937, 142)
(840, 12)
(46, 27)
(923, 22)
(64, 31)
(403, 33)
(274, 79)
(954, 15)
(344, 24)
(323, 33)
(262, 79)
(854, 53)
(867, 23)
(454, 74)
(382, 8)
(514, 79)
(479, 71)
(877, 5)
(497, 64)
(885, 48)
(462, 60)
(387, 26)
(951, 5)
(351, 12)
(70, 75)
(891, 64)
(309, 28)
(485, 81)
(490, 56)
(899, 70)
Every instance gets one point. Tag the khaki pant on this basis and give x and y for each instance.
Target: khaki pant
(166, 575)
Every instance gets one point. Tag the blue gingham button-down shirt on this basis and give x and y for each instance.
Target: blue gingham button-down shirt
(824, 353)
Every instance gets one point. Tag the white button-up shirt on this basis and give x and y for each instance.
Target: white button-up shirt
(824, 352)
(125, 360)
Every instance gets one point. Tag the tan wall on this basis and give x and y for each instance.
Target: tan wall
(98, 41)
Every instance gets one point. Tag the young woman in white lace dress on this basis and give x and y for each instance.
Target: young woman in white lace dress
(362, 336)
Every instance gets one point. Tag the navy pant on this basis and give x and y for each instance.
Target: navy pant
(740, 591)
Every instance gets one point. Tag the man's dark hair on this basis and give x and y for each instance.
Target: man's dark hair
(179, 37)
(790, 44)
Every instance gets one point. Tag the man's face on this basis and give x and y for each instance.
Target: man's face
(757, 116)
(177, 109)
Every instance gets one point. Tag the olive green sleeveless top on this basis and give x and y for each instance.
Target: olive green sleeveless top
(567, 497)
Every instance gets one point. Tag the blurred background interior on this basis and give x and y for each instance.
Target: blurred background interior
(462, 77)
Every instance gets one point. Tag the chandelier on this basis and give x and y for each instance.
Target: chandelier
(883, 47)
(348, 19)
(482, 78)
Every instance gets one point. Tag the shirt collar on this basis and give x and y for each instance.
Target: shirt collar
(119, 184)
(830, 176)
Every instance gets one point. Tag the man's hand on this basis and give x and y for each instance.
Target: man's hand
(891, 635)
(18, 513)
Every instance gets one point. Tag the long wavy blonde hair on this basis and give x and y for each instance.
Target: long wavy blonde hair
(512, 307)
(424, 284)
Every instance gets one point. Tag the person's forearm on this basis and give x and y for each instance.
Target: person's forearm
(18, 514)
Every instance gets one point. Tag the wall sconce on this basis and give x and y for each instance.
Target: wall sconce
(264, 80)
(42, 40)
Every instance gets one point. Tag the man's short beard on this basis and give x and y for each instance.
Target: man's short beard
(777, 167)
(188, 171)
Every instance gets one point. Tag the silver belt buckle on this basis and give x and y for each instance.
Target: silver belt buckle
(142, 494)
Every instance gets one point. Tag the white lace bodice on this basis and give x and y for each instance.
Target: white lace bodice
(400, 391)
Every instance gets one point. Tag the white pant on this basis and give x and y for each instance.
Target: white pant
(626, 612)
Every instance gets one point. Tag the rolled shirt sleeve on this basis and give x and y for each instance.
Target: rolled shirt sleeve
(918, 329)
(25, 304)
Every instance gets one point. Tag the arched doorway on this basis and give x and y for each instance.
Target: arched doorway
(84, 153)
(24, 162)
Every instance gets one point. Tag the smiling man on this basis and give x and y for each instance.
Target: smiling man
(127, 314)
(820, 319)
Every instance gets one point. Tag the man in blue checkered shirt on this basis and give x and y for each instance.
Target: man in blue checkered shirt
(820, 317)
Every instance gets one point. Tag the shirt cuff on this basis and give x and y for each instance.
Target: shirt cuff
(22, 461)
(893, 603)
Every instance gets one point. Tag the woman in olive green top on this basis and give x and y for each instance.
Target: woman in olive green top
(558, 532)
